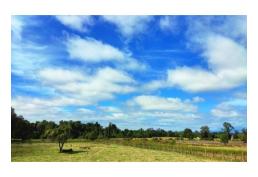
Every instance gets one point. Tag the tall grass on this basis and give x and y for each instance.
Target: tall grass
(224, 153)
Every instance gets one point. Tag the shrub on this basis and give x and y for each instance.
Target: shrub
(224, 138)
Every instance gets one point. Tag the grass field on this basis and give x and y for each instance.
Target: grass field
(126, 151)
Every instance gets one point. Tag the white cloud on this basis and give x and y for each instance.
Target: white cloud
(91, 50)
(231, 26)
(76, 22)
(17, 27)
(240, 95)
(86, 111)
(28, 58)
(119, 115)
(147, 102)
(234, 102)
(19, 23)
(168, 23)
(30, 102)
(70, 87)
(129, 25)
(224, 54)
(113, 75)
(234, 27)
(224, 112)
(109, 109)
(58, 75)
(101, 85)
(221, 46)
(34, 109)
(94, 51)
(227, 67)
(132, 64)
(154, 85)
(231, 108)
(197, 99)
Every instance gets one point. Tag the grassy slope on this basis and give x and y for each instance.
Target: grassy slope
(92, 152)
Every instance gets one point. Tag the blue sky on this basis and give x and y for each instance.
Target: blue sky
(170, 72)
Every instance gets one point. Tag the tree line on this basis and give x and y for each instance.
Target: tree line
(23, 129)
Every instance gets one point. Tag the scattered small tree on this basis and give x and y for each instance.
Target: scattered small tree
(61, 133)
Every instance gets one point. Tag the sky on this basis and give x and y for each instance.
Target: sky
(169, 72)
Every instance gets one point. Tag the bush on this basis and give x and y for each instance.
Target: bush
(224, 138)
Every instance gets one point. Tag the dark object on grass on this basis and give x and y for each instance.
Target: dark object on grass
(67, 150)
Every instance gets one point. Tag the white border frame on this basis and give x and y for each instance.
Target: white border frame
(119, 7)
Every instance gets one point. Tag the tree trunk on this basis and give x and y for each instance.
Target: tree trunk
(61, 145)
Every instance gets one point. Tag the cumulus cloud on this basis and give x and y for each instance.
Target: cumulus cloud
(61, 90)
(154, 85)
(92, 87)
(129, 25)
(149, 102)
(222, 49)
(226, 61)
(58, 75)
(35, 108)
(91, 50)
(227, 67)
(132, 64)
(231, 26)
(94, 51)
(74, 88)
(77, 22)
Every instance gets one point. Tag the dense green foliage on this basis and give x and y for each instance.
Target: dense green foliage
(227, 132)
(61, 133)
(205, 133)
(23, 129)
(188, 133)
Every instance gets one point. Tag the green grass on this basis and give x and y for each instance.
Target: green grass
(218, 151)
(110, 150)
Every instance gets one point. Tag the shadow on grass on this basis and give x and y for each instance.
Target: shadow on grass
(73, 152)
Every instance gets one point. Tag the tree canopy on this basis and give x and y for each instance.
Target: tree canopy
(23, 129)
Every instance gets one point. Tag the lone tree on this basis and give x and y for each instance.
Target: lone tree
(62, 133)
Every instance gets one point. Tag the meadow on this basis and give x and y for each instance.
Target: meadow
(130, 150)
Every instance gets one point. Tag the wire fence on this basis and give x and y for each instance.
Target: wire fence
(213, 153)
